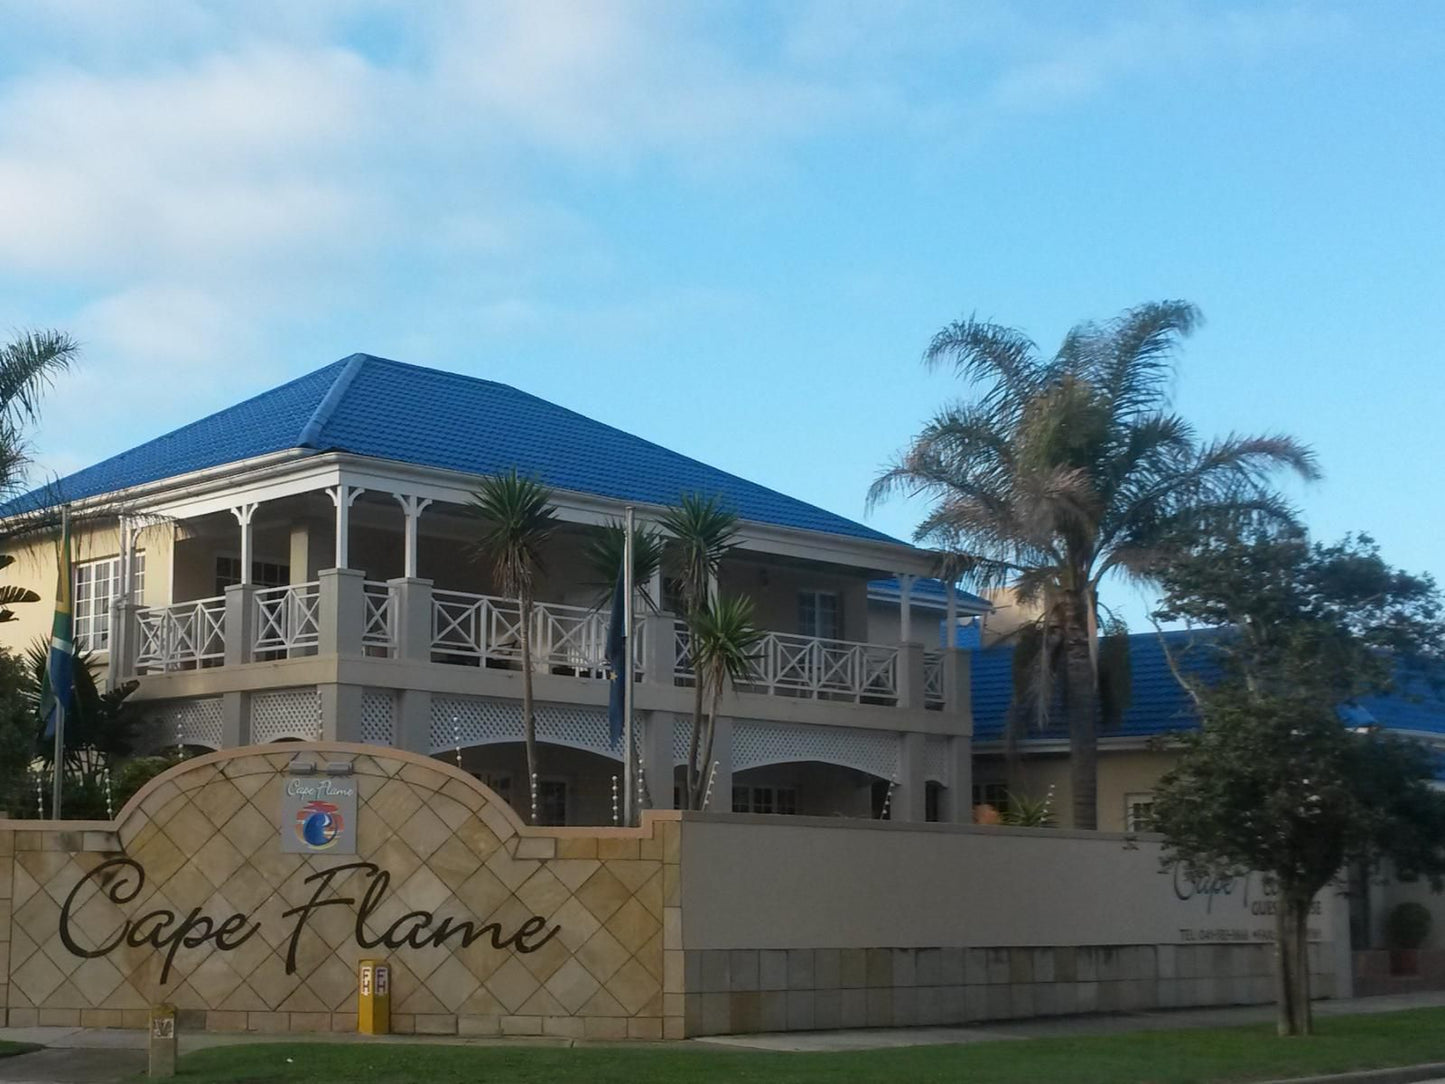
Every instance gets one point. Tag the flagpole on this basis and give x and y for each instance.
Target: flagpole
(629, 774)
(58, 759)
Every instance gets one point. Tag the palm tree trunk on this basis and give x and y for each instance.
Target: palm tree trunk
(691, 774)
(529, 720)
(1082, 710)
(705, 771)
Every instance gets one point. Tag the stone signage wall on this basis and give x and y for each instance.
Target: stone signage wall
(191, 897)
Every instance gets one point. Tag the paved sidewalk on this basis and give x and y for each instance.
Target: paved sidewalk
(103, 1056)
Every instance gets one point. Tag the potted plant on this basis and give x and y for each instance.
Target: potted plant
(1407, 928)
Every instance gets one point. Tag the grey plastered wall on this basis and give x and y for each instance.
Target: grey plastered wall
(802, 923)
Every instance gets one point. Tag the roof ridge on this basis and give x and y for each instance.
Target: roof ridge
(330, 401)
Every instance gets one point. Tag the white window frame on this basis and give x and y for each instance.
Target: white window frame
(814, 598)
(1144, 798)
(766, 799)
(91, 609)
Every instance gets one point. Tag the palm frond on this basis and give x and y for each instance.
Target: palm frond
(516, 519)
(604, 553)
(1136, 362)
(28, 365)
(700, 531)
(984, 352)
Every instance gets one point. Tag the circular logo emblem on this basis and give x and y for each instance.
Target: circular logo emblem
(318, 825)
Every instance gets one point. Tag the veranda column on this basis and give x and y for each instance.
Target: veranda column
(658, 770)
(239, 629)
(412, 599)
(909, 796)
(343, 497)
(412, 508)
(957, 806)
(910, 676)
(905, 607)
(244, 513)
(341, 619)
(720, 772)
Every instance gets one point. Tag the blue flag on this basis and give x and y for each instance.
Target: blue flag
(617, 662)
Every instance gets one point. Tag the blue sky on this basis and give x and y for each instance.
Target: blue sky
(732, 228)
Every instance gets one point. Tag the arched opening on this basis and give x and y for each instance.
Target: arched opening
(808, 788)
(574, 786)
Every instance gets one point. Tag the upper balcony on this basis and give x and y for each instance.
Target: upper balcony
(344, 613)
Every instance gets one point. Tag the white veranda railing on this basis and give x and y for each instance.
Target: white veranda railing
(182, 636)
(933, 679)
(288, 618)
(809, 666)
(564, 639)
(378, 631)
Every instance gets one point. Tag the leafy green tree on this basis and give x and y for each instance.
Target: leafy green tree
(724, 645)
(516, 519)
(700, 533)
(1276, 781)
(1060, 470)
(18, 734)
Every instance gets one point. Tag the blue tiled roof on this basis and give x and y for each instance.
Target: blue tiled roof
(1159, 704)
(388, 410)
(932, 591)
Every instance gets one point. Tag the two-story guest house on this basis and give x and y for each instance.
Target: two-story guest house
(300, 566)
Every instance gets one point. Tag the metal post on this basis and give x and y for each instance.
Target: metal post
(629, 785)
(62, 697)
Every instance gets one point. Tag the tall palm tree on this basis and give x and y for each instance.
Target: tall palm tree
(1060, 470)
(516, 519)
(700, 532)
(724, 646)
(605, 550)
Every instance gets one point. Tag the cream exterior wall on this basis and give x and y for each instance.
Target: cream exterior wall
(776, 600)
(1121, 772)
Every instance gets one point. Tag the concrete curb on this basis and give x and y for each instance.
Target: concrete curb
(1402, 1074)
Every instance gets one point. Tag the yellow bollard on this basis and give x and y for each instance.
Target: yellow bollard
(373, 1003)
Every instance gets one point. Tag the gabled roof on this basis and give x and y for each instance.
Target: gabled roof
(928, 592)
(1159, 704)
(385, 409)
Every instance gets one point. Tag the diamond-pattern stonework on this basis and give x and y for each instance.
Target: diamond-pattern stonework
(450, 861)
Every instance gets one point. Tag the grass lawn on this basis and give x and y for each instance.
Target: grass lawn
(1158, 1057)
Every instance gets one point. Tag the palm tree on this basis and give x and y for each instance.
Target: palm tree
(1062, 470)
(517, 518)
(724, 643)
(604, 553)
(700, 533)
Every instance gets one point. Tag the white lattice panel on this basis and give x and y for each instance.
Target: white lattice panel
(378, 717)
(290, 713)
(935, 759)
(871, 751)
(681, 739)
(187, 722)
(469, 720)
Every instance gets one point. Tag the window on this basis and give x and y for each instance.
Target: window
(782, 800)
(263, 574)
(933, 801)
(818, 614)
(551, 801)
(96, 589)
(501, 785)
(1138, 812)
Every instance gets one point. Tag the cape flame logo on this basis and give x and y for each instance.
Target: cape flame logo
(319, 825)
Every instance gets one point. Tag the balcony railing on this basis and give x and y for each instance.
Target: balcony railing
(378, 633)
(185, 636)
(288, 620)
(933, 680)
(485, 630)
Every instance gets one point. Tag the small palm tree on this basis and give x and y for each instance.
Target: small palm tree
(724, 648)
(604, 553)
(701, 531)
(1063, 469)
(516, 518)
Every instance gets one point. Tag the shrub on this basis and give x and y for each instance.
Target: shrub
(1408, 926)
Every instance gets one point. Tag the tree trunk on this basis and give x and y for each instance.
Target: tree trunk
(529, 720)
(690, 775)
(706, 774)
(1292, 969)
(1082, 712)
